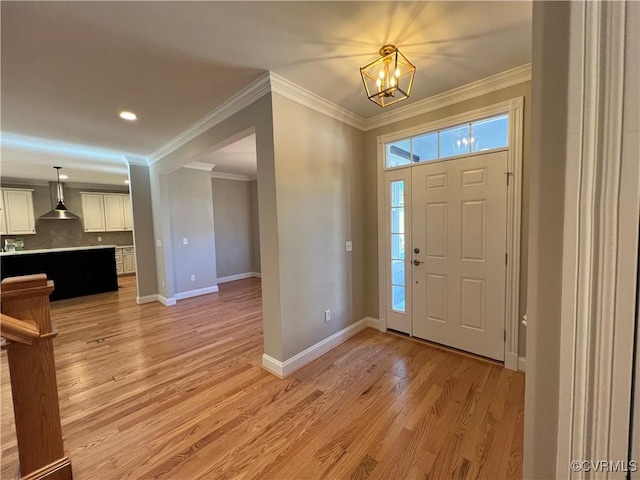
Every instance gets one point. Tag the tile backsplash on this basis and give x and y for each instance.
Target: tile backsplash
(68, 233)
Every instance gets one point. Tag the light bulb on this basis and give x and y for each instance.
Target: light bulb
(381, 73)
(393, 81)
(397, 72)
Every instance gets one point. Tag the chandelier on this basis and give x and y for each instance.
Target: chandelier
(388, 79)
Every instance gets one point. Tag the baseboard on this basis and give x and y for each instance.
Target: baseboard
(522, 364)
(511, 361)
(196, 293)
(272, 365)
(167, 302)
(147, 299)
(239, 276)
(375, 323)
(283, 369)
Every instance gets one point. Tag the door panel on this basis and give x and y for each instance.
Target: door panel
(459, 226)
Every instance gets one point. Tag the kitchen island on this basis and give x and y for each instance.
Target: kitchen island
(75, 271)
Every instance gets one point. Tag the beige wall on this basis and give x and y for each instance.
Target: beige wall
(546, 217)
(255, 227)
(318, 163)
(192, 219)
(369, 173)
(143, 230)
(232, 214)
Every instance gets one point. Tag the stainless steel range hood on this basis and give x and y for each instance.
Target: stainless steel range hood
(60, 211)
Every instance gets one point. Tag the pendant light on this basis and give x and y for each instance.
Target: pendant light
(60, 212)
(388, 79)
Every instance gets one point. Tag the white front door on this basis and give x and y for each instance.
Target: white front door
(458, 252)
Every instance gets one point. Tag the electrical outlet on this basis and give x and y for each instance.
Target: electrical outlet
(185, 241)
(158, 243)
(193, 278)
(348, 246)
(327, 315)
(99, 239)
(162, 283)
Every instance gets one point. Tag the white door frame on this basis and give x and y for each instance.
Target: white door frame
(515, 109)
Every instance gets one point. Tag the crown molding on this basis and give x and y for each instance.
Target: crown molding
(272, 82)
(142, 162)
(200, 166)
(290, 90)
(233, 105)
(475, 89)
(232, 176)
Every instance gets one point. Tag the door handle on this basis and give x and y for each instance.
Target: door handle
(417, 262)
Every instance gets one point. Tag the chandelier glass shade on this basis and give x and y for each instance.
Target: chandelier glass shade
(388, 79)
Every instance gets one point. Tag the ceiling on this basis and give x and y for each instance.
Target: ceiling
(238, 158)
(68, 68)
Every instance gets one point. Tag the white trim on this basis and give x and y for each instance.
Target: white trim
(233, 105)
(142, 162)
(515, 109)
(290, 90)
(283, 369)
(147, 299)
(256, 274)
(272, 365)
(475, 89)
(196, 293)
(167, 302)
(207, 167)
(600, 242)
(375, 323)
(511, 361)
(232, 176)
(272, 82)
(522, 364)
(239, 276)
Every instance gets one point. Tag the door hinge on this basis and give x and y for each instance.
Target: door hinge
(505, 335)
(506, 259)
(508, 174)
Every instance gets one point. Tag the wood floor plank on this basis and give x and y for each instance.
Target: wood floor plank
(195, 402)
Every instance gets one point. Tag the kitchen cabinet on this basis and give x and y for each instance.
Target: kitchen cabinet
(75, 271)
(125, 260)
(127, 212)
(106, 212)
(3, 221)
(93, 212)
(17, 212)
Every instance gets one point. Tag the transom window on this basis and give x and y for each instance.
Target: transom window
(479, 136)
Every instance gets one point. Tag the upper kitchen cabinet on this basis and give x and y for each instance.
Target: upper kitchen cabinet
(106, 212)
(16, 212)
(93, 212)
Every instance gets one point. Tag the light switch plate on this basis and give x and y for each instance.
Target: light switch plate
(349, 246)
(185, 241)
(158, 243)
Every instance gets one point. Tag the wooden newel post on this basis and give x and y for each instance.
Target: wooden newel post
(33, 381)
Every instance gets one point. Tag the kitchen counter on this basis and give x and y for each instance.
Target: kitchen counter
(75, 271)
(51, 250)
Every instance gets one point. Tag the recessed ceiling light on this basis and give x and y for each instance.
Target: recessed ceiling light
(64, 177)
(126, 181)
(128, 115)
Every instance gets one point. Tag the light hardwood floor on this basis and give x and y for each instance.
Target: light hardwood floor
(195, 403)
